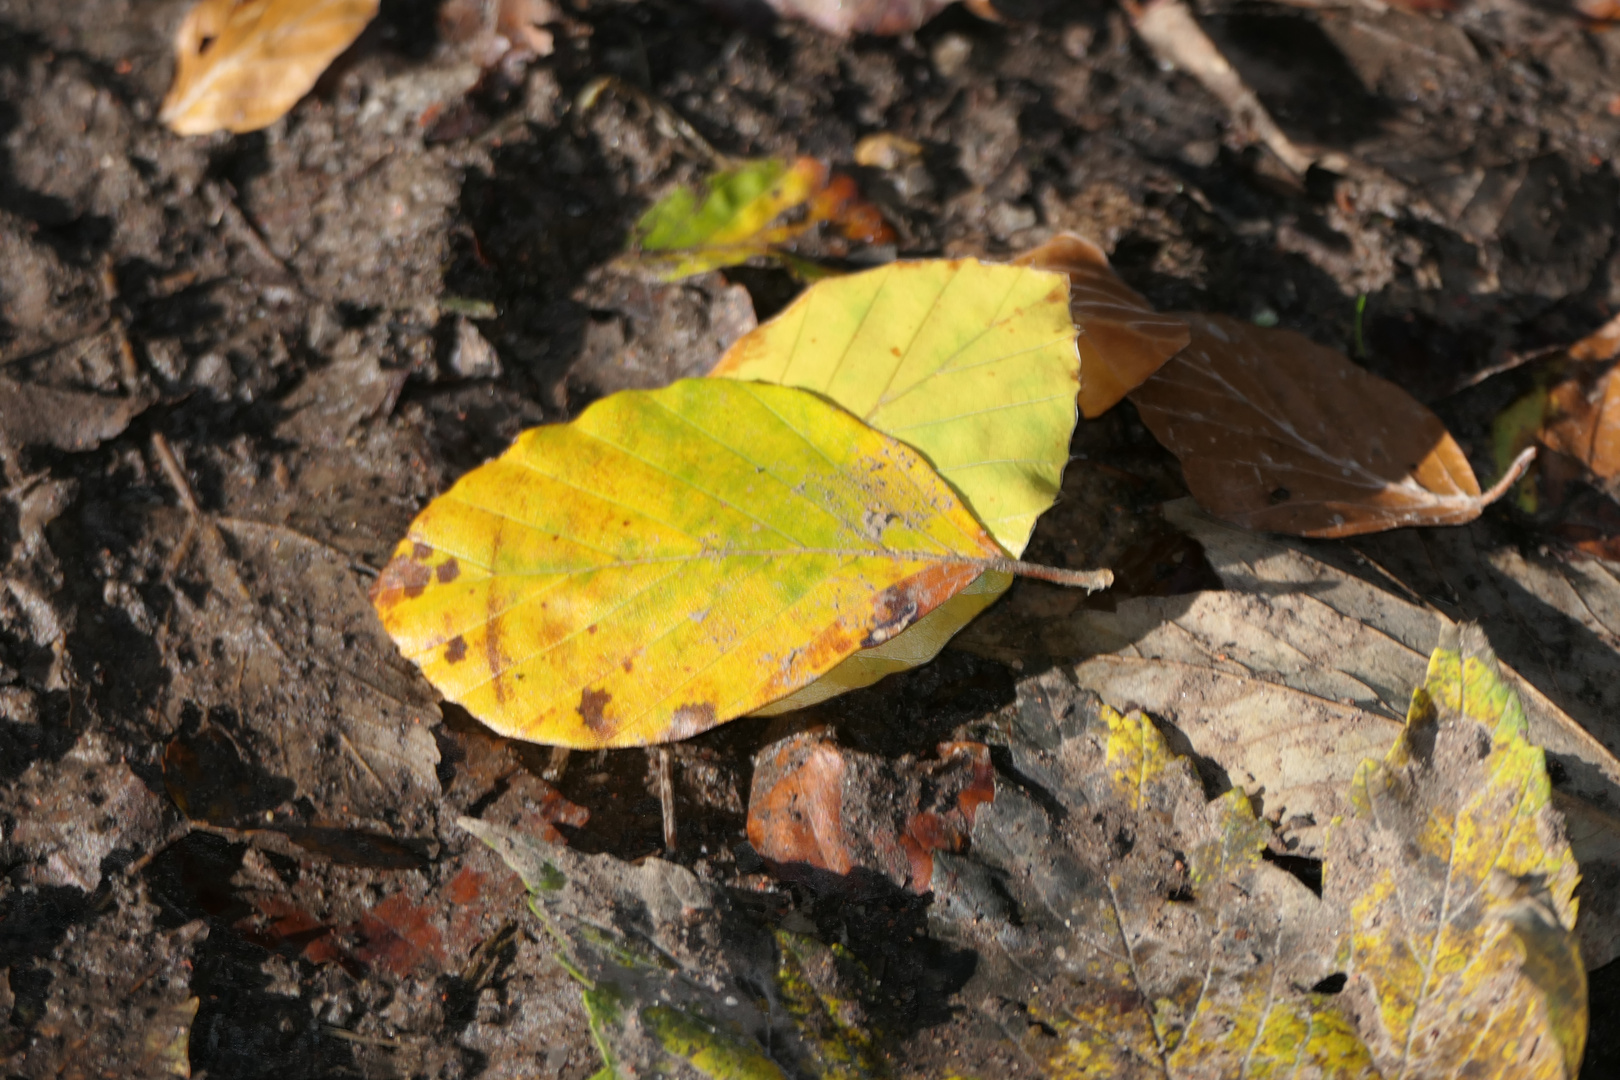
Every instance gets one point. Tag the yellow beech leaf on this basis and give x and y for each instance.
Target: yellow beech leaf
(974, 366)
(1459, 881)
(672, 559)
(241, 64)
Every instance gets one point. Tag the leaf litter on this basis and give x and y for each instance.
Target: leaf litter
(1127, 923)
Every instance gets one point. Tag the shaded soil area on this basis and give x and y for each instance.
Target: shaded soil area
(232, 368)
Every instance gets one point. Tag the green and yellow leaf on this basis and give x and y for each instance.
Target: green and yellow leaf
(672, 559)
(742, 213)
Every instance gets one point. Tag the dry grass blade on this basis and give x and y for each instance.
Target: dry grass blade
(241, 64)
(1276, 432)
(1123, 341)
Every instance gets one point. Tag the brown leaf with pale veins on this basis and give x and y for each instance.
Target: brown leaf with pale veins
(1276, 432)
(241, 64)
(1581, 414)
(1123, 341)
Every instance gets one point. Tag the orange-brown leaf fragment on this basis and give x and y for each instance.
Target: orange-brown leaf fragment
(241, 64)
(1276, 432)
(1122, 340)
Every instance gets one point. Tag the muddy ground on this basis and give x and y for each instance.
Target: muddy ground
(236, 366)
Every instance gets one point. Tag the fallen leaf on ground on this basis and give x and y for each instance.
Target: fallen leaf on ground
(241, 64)
(504, 31)
(1459, 884)
(1284, 682)
(742, 213)
(1135, 926)
(1122, 339)
(672, 972)
(673, 559)
(972, 365)
(1276, 432)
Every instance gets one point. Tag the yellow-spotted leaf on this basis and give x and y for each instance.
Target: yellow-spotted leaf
(1459, 882)
(973, 365)
(672, 559)
(241, 64)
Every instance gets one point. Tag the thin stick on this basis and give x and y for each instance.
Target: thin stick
(666, 795)
(1090, 580)
(177, 475)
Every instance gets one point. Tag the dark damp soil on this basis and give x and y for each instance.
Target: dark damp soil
(227, 805)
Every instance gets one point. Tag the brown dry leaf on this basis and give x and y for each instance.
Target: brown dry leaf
(241, 64)
(1276, 432)
(1579, 414)
(1123, 341)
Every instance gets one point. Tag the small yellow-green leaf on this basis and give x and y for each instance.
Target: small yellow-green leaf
(672, 559)
(739, 215)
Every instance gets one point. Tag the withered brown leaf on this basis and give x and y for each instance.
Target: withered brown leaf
(1582, 411)
(1277, 432)
(1123, 341)
(241, 64)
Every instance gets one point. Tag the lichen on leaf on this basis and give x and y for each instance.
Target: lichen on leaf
(1459, 882)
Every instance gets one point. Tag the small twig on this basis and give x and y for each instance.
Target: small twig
(177, 475)
(1173, 34)
(666, 794)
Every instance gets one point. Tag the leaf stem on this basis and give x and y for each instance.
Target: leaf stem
(1514, 471)
(1090, 580)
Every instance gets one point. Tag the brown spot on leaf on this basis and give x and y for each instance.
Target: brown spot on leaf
(402, 578)
(593, 709)
(420, 551)
(448, 571)
(896, 608)
(456, 651)
(691, 719)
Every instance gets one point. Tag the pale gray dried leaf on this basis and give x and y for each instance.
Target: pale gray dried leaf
(286, 641)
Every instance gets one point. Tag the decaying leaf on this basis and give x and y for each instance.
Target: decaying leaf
(1122, 339)
(743, 213)
(972, 365)
(241, 64)
(1459, 885)
(1284, 682)
(672, 559)
(1276, 432)
(673, 973)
